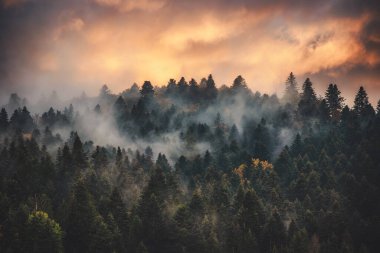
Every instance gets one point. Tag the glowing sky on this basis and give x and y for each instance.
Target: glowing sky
(82, 44)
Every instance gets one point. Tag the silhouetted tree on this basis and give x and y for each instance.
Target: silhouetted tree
(307, 105)
(239, 83)
(362, 107)
(147, 90)
(291, 90)
(334, 101)
(211, 91)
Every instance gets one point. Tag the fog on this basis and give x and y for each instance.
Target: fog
(169, 122)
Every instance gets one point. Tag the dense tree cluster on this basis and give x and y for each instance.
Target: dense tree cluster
(253, 173)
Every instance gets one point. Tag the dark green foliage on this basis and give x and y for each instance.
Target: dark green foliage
(214, 170)
(362, 108)
(210, 91)
(334, 101)
(78, 155)
(85, 229)
(21, 120)
(4, 122)
(43, 235)
(154, 228)
(323, 111)
(307, 105)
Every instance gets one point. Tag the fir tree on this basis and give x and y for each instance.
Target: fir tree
(334, 101)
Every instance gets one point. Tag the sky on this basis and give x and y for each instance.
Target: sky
(78, 45)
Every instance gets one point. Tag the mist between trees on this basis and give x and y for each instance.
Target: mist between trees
(190, 167)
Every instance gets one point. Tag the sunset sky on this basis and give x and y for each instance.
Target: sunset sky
(81, 44)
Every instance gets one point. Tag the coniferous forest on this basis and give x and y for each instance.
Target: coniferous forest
(189, 167)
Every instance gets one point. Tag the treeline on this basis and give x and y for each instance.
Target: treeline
(253, 173)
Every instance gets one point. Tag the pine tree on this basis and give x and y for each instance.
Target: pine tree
(153, 225)
(86, 230)
(171, 87)
(3, 120)
(147, 90)
(22, 120)
(296, 147)
(307, 105)
(119, 157)
(211, 92)
(78, 154)
(323, 111)
(334, 101)
(274, 233)
(163, 163)
(239, 83)
(193, 90)
(284, 165)
(182, 86)
(120, 107)
(362, 107)
(291, 91)
(120, 214)
(104, 92)
(261, 141)
(252, 216)
(361, 101)
(120, 112)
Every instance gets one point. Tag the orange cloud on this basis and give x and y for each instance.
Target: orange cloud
(120, 42)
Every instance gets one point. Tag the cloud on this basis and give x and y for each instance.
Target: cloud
(83, 44)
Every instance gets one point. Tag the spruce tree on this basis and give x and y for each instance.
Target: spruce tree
(362, 107)
(291, 95)
(86, 230)
(3, 120)
(334, 101)
(307, 105)
(147, 90)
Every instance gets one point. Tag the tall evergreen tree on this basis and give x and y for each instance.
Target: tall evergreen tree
(274, 233)
(3, 120)
(120, 214)
(171, 87)
(211, 92)
(307, 105)
(147, 90)
(193, 90)
(79, 157)
(182, 86)
(239, 83)
(323, 111)
(362, 107)
(361, 101)
(291, 90)
(86, 230)
(334, 101)
(154, 228)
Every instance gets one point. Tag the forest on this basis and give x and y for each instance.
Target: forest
(191, 167)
